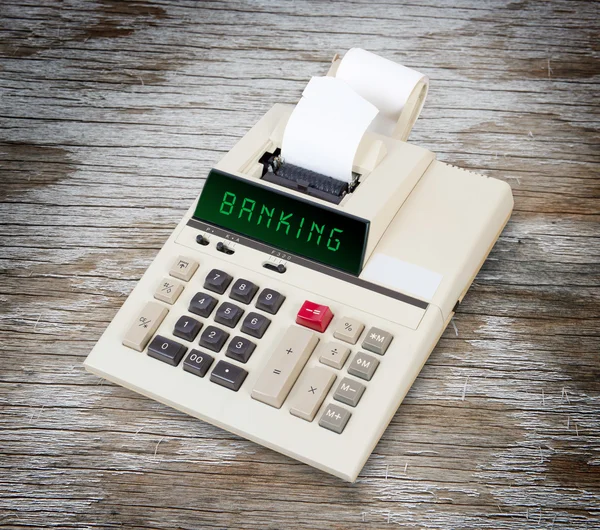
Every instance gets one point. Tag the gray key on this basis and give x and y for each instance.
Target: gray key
(349, 392)
(335, 418)
(363, 366)
(377, 341)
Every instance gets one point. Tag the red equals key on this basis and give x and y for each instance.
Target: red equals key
(314, 316)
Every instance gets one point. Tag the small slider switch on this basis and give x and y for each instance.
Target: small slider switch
(314, 316)
(279, 267)
(222, 247)
(201, 240)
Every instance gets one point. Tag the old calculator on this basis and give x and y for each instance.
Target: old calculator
(299, 320)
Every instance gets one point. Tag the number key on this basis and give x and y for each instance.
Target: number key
(197, 363)
(187, 328)
(243, 291)
(228, 314)
(217, 281)
(202, 304)
(269, 301)
(213, 338)
(240, 349)
(166, 350)
(255, 325)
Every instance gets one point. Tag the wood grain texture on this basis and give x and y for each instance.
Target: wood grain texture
(112, 113)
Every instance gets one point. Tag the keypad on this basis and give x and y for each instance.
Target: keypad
(255, 325)
(202, 304)
(213, 338)
(228, 375)
(243, 291)
(269, 301)
(228, 314)
(217, 281)
(166, 350)
(240, 349)
(285, 378)
(197, 363)
(187, 328)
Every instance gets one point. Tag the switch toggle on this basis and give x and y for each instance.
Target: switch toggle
(314, 316)
(276, 267)
(222, 247)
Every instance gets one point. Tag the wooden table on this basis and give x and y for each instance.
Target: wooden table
(112, 113)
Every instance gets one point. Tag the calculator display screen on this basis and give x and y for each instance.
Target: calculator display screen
(289, 223)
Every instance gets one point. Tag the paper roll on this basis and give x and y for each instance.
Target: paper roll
(326, 127)
(328, 123)
(386, 84)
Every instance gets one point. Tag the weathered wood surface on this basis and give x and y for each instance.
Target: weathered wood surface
(111, 114)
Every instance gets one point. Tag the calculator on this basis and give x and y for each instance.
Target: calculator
(299, 320)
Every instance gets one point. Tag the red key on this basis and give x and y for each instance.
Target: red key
(314, 316)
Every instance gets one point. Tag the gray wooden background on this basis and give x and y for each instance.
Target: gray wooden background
(111, 115)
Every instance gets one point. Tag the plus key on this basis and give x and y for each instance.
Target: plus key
(314, 316)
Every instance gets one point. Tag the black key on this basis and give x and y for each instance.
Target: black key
(217, 281)
(240, 349)
(228, 375)
(202, 304)
(197, 363)
(187, 328)
(255, 325)
(269, 301)
(213, 338)
(228, 314)
(166, 350)
(243, 291)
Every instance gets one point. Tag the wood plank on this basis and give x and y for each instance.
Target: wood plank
(111, 115)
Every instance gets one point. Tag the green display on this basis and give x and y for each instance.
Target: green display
(289, 223)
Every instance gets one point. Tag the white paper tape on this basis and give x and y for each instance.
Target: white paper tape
(328, 123)
(386, 84)
(326, 127)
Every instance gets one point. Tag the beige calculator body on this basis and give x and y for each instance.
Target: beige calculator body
(321, 395)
